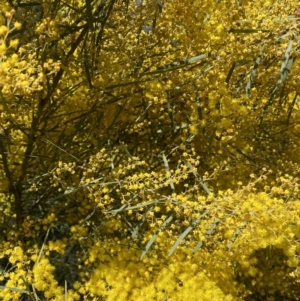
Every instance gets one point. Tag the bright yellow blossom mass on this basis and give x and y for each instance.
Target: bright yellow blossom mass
(149, 150)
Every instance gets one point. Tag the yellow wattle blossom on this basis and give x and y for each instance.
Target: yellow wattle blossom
(14, 43)
(2, 48)
(3, 30)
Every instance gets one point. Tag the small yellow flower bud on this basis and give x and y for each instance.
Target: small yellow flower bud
(24, 83)
(3, 30)
(14, 43)
(2, 48)
(18, 25)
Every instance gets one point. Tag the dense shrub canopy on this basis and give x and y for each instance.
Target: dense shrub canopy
(149, 149)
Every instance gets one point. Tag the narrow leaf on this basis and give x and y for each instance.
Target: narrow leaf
(168, 169)
(66, 290)
(153, 238)
(160, 6)
(230, 72)
(12, 289)
(253, 72)
(43, 245)
(235, 235)
(141, 205)
(132, 207)
(199, 179)
(89, 14)
(185, 233)
(177, 64)
(128, 84)
(88, 75)
(138, 227)
(208, 233)
(29, 4)
(286, 66)
(286, 56)
(28, 289)
(247, 30)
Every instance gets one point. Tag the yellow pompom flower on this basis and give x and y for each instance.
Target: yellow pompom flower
(2, 48)
(3, 30)
(18, 25)
(14, 43)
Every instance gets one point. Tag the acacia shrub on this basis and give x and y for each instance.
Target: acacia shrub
(115, 137)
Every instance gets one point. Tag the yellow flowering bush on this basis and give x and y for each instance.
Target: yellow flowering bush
(149, 150)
